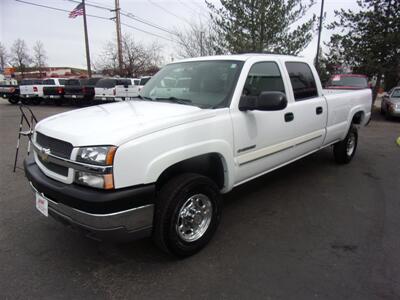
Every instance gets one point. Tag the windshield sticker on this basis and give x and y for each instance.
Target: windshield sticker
(336, 78)
(233, 66)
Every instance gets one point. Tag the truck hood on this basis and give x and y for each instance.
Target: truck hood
(117, 123)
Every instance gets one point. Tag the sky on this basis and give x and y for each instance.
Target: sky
(63, 37)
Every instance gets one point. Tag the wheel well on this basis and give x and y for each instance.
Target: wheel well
(358, 118)
(209, 165)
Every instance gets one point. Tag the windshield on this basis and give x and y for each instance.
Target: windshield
(396, 93)
(349, 81)
(207, 84)
(72, 82)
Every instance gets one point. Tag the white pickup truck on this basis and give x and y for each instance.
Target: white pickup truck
(158, 166)
(116, 89)
(31, 90)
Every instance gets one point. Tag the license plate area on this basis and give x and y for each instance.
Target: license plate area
(42, 205)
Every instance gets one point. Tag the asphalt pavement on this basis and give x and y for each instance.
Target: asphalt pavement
(310, 230)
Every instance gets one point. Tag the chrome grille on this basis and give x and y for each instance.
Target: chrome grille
(58, 148)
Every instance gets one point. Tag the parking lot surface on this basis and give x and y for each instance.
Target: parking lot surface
(311, 230)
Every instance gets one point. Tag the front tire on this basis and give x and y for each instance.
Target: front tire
(344, 151)
(13, 99)
(187, 214)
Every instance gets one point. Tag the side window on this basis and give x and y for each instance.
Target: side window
(302, 79)
(263, 77)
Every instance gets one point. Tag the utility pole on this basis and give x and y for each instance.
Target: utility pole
(319, 34)
(118, 24)
(201, 43)
(89, 69)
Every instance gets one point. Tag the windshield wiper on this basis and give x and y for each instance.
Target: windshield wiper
(175, 100)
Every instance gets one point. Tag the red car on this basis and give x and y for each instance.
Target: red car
(348, 82)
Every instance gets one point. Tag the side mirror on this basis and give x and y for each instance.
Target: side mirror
(266, 101)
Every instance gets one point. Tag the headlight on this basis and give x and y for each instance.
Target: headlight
(96, 155)
(99, 155)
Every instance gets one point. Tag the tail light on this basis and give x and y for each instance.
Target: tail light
(114, 92)
(60, 90)
(35, 89)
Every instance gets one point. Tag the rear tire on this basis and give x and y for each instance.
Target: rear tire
(187, 214)
(344, 151)
(13, 99)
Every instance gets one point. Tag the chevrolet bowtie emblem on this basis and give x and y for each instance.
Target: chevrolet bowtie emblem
(44, 153)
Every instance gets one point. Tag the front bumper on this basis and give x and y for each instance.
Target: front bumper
(118, 215)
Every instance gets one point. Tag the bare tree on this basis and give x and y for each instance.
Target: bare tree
(201, 39)
(138, 59)
(39, 55)
(20, 58)
(3, 56)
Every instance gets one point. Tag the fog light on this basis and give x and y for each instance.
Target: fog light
(95, 180)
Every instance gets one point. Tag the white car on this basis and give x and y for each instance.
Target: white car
(116, 89)
(158, 166)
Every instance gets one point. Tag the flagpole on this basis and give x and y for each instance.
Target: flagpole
(86, 40)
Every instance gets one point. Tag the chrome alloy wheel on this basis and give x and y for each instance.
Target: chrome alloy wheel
(351, 143)
(194, 218)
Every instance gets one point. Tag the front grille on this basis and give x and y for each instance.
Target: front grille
(57, 147)
(54, 168)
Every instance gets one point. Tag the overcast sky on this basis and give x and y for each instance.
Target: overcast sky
(64, 39)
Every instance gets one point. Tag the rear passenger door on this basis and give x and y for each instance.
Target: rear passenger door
(309, 107)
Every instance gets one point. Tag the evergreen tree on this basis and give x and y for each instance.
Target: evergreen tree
(262, 25)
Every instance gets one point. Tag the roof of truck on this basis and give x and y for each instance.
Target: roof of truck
(241, 57)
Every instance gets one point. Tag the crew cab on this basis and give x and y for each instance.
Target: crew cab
(80, 91)
(115, 89)
(53, 89)
(159, 165)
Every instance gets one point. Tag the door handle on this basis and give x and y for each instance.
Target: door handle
(319, 110)
(289, 117)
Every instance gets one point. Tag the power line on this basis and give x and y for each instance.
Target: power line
(129, 15)
(192, 9)
(154, 34)
(169, 12)
(58, 9)
(95, 16)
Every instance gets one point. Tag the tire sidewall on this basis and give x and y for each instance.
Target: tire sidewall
(352, 131)
(174, 243)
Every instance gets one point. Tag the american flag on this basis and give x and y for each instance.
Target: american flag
(77, 11)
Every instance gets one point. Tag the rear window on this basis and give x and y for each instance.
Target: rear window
(353, 81)
(123, 82)
(136, 81)
(92, 81)
(49, 82)
(62, 81)
(302, 79)
(72, 82)
(30, 81)
(106, 83)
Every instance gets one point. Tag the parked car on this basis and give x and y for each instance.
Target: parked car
(143, 81)
(53, 89)
(157, 166)
(115, 89)
(348, 82)
(80, 91)
(31, 91)
(390, 105)
(10, 92)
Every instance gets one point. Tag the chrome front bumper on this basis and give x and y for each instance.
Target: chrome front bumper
(118, 226)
